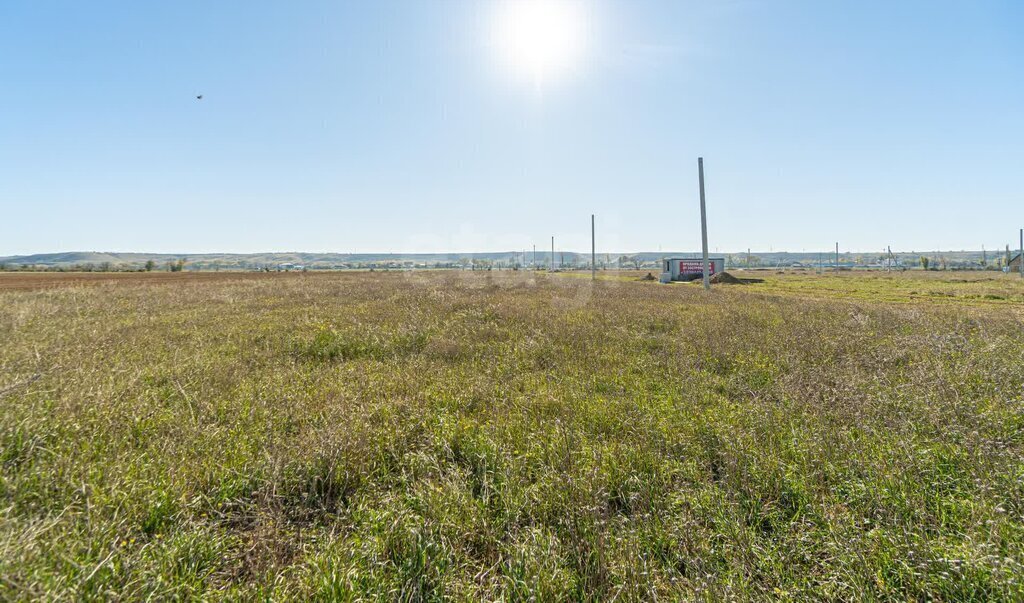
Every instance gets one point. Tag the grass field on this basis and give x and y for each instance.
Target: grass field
(482, 436)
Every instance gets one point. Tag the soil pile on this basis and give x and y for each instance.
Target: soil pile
(724, 278)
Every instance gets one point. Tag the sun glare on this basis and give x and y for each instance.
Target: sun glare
(540, 40)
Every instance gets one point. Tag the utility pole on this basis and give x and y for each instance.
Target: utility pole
(1020, 264)
(837, 256)
(551, 266)
(593, 250)
(534, 256)
(704, 225)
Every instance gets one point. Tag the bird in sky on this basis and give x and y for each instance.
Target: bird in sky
(199, 97)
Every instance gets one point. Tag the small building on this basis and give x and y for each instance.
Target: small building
(688, 269)
(1014, 265)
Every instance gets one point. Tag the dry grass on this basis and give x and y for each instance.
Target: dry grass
(31, 281)
(472, 436)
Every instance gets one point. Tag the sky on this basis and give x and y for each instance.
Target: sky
(418, 126)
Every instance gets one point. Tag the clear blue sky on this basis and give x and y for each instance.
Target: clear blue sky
(390, 125)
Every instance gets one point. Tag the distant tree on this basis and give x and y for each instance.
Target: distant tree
(627, 261)
(150, 265)
(944, 262)
(924, 262)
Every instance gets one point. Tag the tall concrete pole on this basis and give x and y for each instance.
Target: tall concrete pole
(593, 250)
(837, 256)
(703, 225)
(534, 256)
(1021, 256)
(551, 267)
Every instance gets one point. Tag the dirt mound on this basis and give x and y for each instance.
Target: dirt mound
(648, 277)
(724, 278)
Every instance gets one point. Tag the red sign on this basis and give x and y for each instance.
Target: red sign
(695, 267)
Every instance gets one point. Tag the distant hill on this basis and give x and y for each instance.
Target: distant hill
(103, 260)
(67, 259)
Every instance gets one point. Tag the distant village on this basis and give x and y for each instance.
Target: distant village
(559, 261)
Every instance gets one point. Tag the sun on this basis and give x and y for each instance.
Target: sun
(540, 40)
